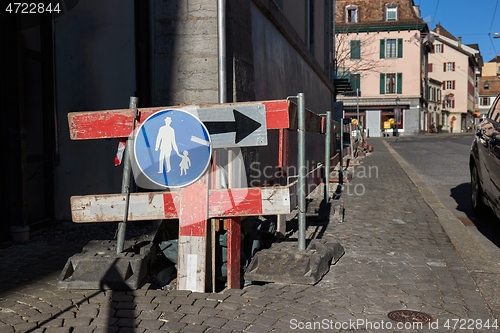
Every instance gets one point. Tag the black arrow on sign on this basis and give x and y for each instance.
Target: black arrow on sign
(242, 125)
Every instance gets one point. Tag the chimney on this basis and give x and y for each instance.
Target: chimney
(417, 10)
(460, 42)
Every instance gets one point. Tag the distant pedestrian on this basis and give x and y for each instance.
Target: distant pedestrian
(433, 128)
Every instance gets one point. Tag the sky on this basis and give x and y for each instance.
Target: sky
(476, 21)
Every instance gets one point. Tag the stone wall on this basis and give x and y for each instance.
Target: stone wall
(184, 48)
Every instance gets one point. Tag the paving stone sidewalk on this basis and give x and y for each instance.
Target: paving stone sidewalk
(397, 257)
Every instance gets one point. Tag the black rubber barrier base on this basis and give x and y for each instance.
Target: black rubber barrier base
(283, 263)
(98, 266)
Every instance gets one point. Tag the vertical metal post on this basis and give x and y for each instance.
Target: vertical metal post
(357, 103)
(341, 152)
(334, 46)
(357, 111)
(127, 171)
(221, 48)
(350, 141)
(302, 170)
(328, 140)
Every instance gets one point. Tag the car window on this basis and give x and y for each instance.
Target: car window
(494, 113)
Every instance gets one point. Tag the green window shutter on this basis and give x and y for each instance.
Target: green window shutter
(355, 49)
(399, 79)
(382, 48)
(400, 47)
(382, 84)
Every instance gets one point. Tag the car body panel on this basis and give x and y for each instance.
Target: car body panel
(485, 154)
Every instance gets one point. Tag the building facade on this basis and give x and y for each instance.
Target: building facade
(492, 67)
(95, 56)
(436, 120)
(488, 85)
(458, 67)
(382, 47)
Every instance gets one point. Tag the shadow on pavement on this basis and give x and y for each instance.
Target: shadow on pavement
(487, 224)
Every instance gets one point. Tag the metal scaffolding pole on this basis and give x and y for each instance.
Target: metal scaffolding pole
(327, 154)
(221, 48)
(302, 170)
(127, 172)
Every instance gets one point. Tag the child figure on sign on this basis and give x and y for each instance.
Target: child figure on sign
(185, 162)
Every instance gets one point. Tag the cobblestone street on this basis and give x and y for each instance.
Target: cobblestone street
(397, 257)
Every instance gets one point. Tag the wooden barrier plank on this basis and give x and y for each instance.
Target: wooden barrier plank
(111, 207)
(233, 253)
(277, 114)
(165, 205)
(314, 122)
(104, 124)
(235, 202)
(107, 124)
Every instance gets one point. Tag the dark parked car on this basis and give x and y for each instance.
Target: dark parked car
(485, 163)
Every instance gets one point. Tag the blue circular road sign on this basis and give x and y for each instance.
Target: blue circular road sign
(172, 148)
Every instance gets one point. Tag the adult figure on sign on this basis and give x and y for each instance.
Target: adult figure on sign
(165, 141)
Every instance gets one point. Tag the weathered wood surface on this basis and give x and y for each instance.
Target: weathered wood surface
(166, 205)
(193, 226)
(106, 124)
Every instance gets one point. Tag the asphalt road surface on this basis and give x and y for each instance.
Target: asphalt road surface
(442, 161)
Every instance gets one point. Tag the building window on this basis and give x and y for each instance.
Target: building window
(391, 83)
(447, 85)
(437, 48)
(429, 67)
(391, 48)
(484, 101)
(355, 49)
(433, 94)
(355, 82)
(310, 22)
(448, 66)
(391, 11)
(351, 14)
(449, 104)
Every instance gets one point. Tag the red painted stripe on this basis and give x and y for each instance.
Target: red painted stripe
(104, 124)
(171, 205)
(277, 114)
(235, 202)
(194, 208)
(222, 203)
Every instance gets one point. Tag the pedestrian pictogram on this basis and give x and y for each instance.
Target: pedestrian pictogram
(172, 148)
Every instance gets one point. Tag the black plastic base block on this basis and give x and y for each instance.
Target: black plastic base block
(99, 267)
(283, 263)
